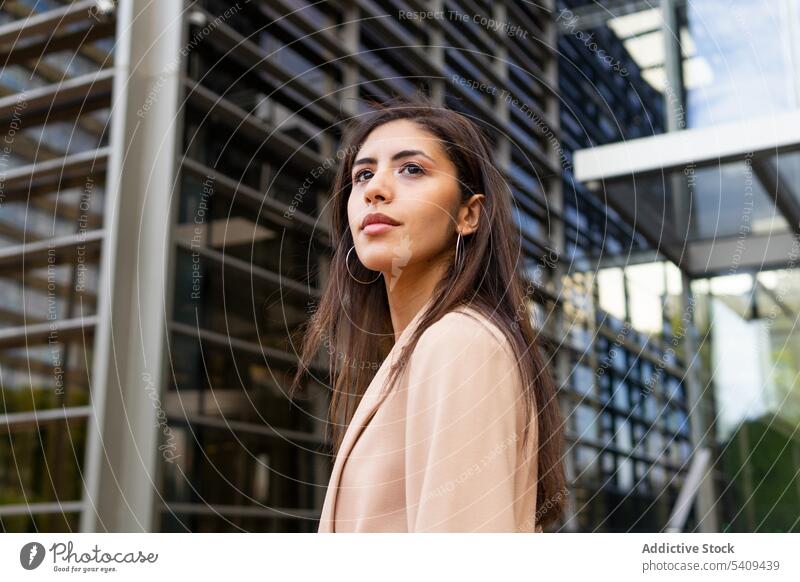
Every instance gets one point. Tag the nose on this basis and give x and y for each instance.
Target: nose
(379, 187)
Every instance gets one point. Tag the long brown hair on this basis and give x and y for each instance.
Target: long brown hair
(351, 315)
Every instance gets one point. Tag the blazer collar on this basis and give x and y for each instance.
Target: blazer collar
(361, 418)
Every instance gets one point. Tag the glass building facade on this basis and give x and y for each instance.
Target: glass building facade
(728, 218)
(163, 237)
(55, 97)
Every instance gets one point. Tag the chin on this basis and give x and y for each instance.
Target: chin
(382, 264)
(376, 255)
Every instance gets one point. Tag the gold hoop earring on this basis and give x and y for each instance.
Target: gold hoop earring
(459, 263)
(347, 266)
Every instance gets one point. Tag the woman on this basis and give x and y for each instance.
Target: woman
(459, 428)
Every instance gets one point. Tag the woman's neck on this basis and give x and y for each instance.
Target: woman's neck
(410, 289)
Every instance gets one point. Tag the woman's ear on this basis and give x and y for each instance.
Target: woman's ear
(469, 214)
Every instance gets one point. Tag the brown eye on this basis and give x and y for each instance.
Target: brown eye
(417, 169)
(359, 175)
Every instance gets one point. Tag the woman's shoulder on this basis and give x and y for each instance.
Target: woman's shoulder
(468, 327)
(464, 355)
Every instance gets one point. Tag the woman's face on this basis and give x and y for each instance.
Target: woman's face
(403, 172)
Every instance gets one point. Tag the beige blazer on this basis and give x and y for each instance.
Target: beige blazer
(443, 452)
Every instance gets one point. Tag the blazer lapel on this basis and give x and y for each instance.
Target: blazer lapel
(366, 409)
(363, 414)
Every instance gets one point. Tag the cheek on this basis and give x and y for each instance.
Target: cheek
(352, 210)
(430, 226)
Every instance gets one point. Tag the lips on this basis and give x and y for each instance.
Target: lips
(378, 218)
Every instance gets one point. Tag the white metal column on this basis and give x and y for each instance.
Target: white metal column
(122, 448)
(700, 482)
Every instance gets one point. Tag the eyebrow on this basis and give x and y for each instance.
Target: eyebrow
(397, 156)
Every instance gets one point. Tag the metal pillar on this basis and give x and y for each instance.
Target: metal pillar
(120, 486)
(705, 499)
